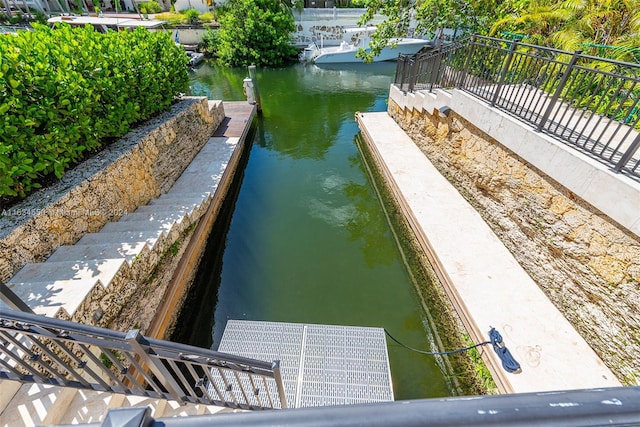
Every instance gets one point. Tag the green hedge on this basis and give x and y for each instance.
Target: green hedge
(65, 91)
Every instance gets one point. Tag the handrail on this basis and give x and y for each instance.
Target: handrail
(618, 406)
(54, 351)
(587, 102)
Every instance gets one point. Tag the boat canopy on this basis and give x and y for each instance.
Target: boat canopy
(111, 22)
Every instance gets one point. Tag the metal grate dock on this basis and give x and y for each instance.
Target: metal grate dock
(321, 364)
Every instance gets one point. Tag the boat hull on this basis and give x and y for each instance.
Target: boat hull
(336, 55)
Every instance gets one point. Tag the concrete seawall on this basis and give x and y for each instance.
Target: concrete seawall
(574, 234)
(129, 173)
(485, 284)
(131, 269)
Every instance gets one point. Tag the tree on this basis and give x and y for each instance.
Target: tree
(580, 25)
(431, 17)
(256, 32)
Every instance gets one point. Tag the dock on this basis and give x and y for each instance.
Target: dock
(482, 279)
(321, 365)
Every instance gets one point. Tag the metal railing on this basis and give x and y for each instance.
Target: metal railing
(587, 102)
(619, 406)
(53, 351)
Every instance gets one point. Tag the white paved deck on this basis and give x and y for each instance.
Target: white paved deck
(486, 284)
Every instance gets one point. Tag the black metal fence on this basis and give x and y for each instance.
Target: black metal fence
(51, 351)
(584, 101)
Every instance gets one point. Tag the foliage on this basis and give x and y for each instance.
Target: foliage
(192, 16)
(189, 16)
(17, 18)
(106, 360)
(209, 43)
(432, 16)
(151, 6)
(256, 32)
(172, 18)
(64, 91)
(39, 17)
(481, 370)
(610, 27)
(206, 17)
(575, 25)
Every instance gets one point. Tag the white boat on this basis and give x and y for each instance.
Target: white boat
(346, 51)
(195, 58)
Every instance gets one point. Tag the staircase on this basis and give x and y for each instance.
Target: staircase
(31, 404)
(85, 281)
(53, 371)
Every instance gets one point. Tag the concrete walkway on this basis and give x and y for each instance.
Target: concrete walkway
(483, 280)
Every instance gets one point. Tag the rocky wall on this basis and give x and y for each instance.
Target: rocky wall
(126, 174)
(588, 265)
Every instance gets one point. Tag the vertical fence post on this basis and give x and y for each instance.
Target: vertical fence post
(435, 70)
(398, 79)
(277, 376)
(134, 338)
(413, 73)
(465, 70)
(628, 154)
(558, 92)
(505, 70)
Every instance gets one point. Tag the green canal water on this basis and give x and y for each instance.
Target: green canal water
(306, 239)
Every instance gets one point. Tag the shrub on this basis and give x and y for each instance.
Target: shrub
(206, 17)
(256, 32)
(151, 6)
(172, 18)
(210, 42)
(17, 18)
(192, 16)
(64, 91)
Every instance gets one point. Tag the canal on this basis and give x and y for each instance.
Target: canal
(306, 239)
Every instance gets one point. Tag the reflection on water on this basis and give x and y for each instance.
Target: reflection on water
(308, 240)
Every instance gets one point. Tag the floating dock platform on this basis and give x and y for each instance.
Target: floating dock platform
(321, 365)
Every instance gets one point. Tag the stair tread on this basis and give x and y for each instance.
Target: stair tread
(36, 401)
(194, 181)
(160, 209)
(186, 195)
(150, 237)
(139, 226)
(162, 216)
(109, 250)
(48, 296)
(9, 389)
(75, 270)
(31, 404)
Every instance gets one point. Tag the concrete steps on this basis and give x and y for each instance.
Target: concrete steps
(24, 405)
(125, 250)
(102, 267)
(112, 250)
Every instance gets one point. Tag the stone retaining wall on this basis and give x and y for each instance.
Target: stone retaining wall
(127, 174)
(587, 264)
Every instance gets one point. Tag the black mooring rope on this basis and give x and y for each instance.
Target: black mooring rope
(508, 362)
(436, 353)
